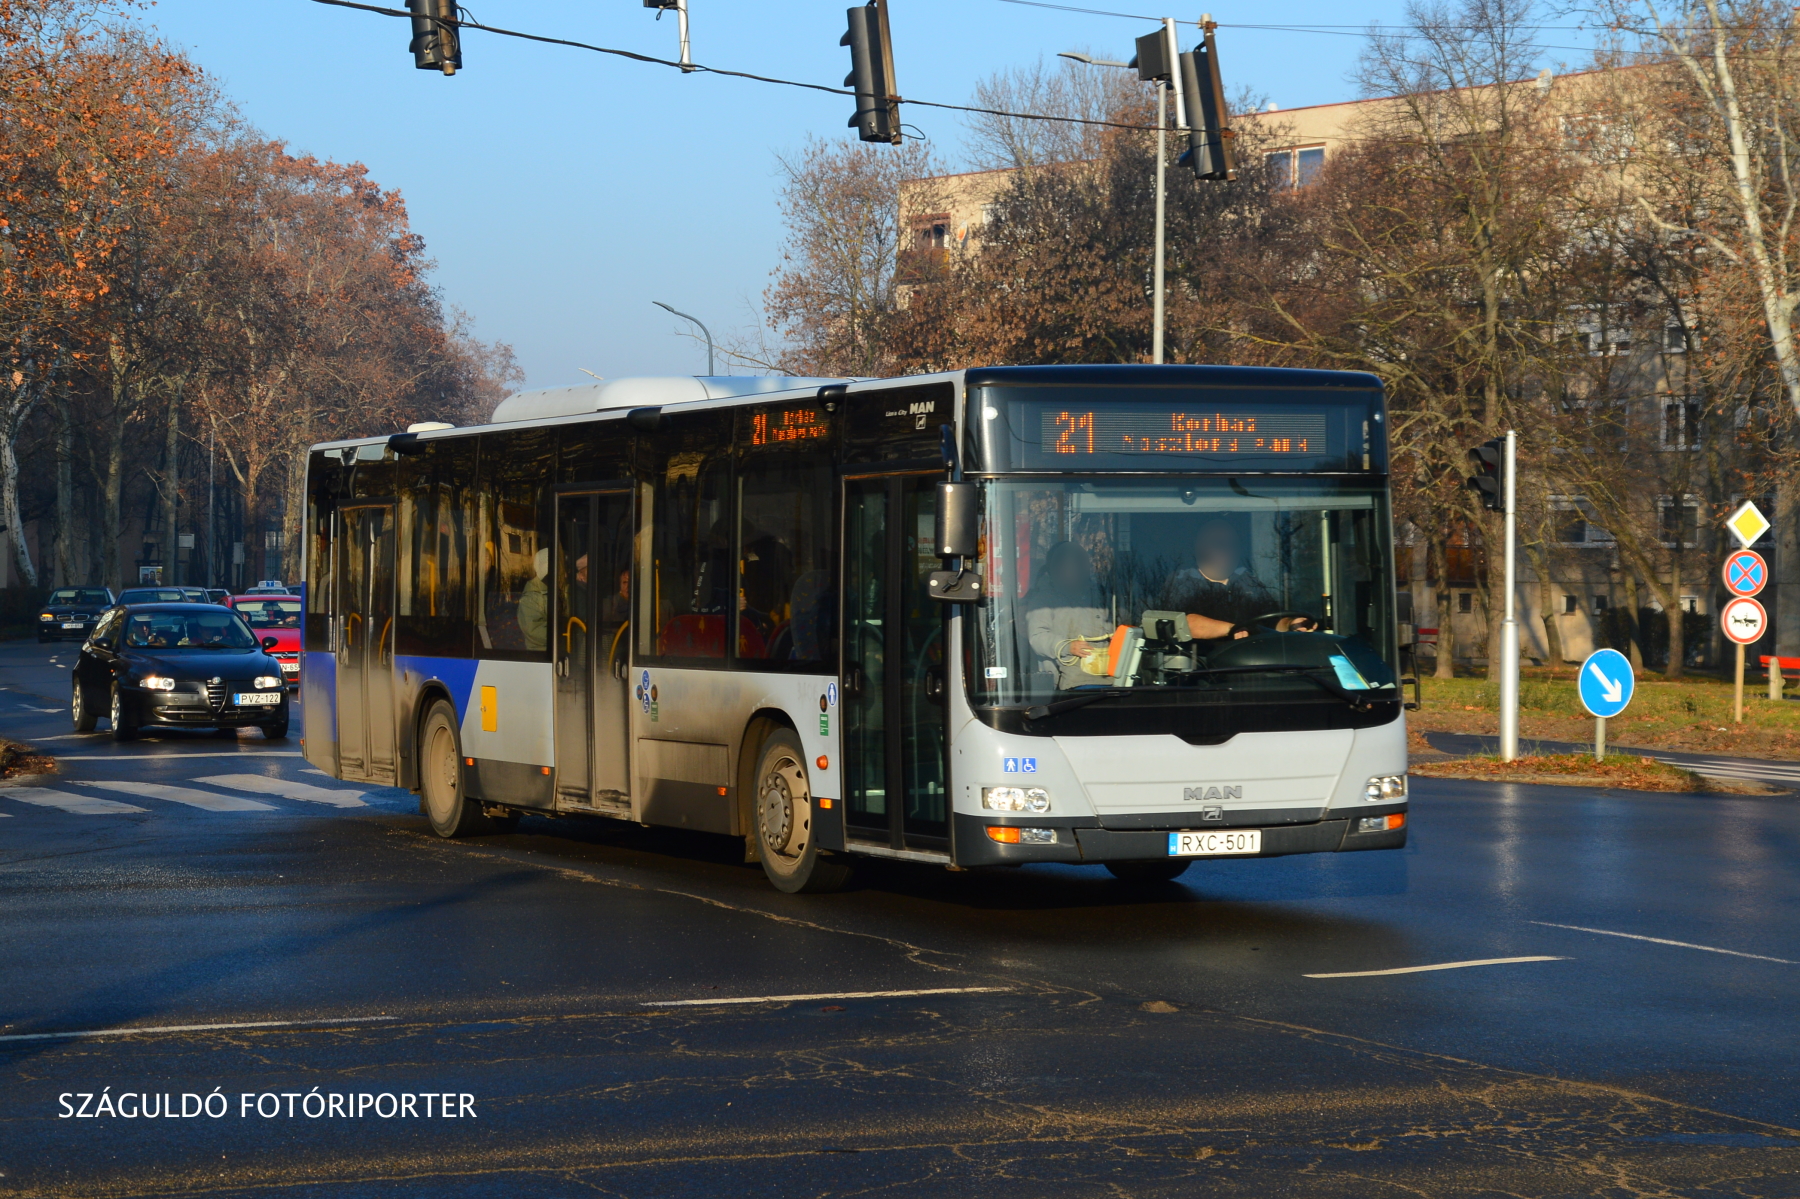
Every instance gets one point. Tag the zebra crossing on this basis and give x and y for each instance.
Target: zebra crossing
(219, 793)
(1754, 770)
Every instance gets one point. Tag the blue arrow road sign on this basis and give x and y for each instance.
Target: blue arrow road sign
(1606, 682)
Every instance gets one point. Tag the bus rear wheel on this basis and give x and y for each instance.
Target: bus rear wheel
(451, 812)
(784, 833)
(1156, 870)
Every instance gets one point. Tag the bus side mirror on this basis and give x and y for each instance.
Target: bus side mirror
(958, 521)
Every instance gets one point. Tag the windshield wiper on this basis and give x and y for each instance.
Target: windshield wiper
(1324, 676)
(1082, 700)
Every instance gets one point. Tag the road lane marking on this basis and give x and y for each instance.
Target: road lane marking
(1607, 932)
(825, 995)
(1434, 966)
(80, 805)
(183, 795)
(128, 1032)
(286, 789)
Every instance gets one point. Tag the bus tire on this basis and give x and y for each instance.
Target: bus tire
(451, 812)
(1156, 870)
(783, 815)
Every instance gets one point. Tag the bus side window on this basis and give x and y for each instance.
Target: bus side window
(513, 594)
(685, 568)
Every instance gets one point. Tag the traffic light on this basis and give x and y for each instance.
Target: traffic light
(1152, 57)
(435, 44)
(1490, 473)
(871, 74)
(1209, 150)
(1158, 61)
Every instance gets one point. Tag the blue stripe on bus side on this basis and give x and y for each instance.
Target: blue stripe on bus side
(457, 674)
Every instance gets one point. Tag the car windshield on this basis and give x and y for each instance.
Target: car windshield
(151, 595)
(1262, 589)
(269, 614)
(76, 595)
(221, 630)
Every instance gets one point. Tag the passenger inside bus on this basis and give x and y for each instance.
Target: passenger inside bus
(534, 604)
(1219, 593)
(1064, 622)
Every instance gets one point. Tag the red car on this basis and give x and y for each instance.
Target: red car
(276, 616)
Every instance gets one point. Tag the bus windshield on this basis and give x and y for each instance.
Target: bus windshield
(1259, 590)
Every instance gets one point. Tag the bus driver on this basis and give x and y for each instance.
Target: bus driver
(1218, 593)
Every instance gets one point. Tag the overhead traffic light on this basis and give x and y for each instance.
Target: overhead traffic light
(871, 74)
(1209, 152)
(435, 44)
(1490, 473)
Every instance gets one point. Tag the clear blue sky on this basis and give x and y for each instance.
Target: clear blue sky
(561, 191)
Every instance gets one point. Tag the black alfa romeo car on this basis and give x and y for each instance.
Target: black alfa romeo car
(178, 665)
(70, 612)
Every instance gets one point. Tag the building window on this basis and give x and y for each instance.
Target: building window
(1690, 603)
(1675, 338)
(1681, 424)
(1679, 521)
(924, 260)
(1465, 601)
(1572, 525)
(1600, 605)
(1296, 167)
(1571, 604)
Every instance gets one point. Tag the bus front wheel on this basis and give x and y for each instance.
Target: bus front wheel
(452, 814)
(784, 832)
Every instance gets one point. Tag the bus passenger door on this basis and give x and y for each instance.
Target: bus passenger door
(894, 638)
(593, 547)
(365, 682)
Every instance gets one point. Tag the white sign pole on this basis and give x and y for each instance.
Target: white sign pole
(1509, 627)
(1599, 738)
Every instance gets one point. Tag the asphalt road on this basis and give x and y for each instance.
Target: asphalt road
(568, 985)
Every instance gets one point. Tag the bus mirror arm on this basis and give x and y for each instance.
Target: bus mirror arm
(954, 586)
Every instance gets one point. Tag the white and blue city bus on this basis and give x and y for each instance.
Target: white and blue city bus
(1122, 615)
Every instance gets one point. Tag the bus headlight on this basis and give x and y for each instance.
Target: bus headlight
(156, 682)
(1015, 799)
(267, 680)
(1385, 788)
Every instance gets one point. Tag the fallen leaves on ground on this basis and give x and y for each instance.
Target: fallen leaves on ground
(1576, 770)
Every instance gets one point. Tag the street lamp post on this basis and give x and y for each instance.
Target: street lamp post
(709, 341)
(1162, 176)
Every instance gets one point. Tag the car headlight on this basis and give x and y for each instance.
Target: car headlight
(1385, 788)
(267, 680)
(1015, 799)
(156, 682)
(46, 616)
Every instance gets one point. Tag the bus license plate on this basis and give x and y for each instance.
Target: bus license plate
(1214, 844)
(245, 698)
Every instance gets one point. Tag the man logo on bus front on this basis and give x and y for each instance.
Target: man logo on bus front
(1202, 794)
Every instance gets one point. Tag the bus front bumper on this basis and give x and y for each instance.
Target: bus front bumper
(1084, 841)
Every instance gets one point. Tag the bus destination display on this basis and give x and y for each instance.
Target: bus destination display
(1195, 431)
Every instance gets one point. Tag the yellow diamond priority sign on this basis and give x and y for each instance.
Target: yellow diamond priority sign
(1747, 524)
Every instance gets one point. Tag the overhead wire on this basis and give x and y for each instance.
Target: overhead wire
(694, 68)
